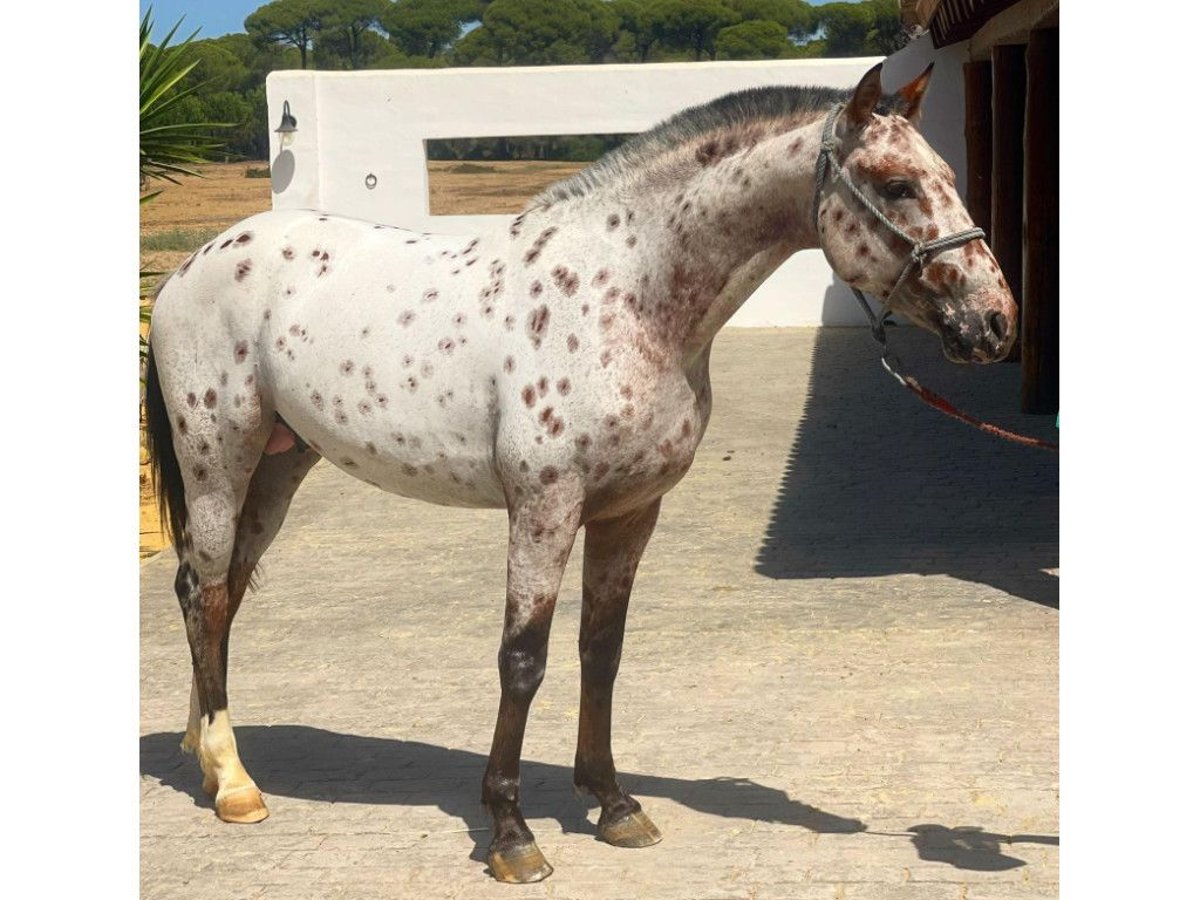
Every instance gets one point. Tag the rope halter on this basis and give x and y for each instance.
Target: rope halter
(921, 250)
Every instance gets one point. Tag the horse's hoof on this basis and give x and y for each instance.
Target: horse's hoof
(633, 830)
(520, 865)
(211, 785)
(242, 805)
(190, 743)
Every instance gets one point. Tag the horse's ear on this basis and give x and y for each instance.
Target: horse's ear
(866, 96)
(913, 93)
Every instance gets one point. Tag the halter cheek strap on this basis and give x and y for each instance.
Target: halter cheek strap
(829, 168)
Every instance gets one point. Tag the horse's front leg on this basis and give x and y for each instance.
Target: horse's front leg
(541, 531)
(612, 550)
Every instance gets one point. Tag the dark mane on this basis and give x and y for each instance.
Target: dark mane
(760, 104)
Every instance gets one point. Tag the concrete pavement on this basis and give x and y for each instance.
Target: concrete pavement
(839, 678)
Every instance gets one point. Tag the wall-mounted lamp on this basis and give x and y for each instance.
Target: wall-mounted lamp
(287, 126)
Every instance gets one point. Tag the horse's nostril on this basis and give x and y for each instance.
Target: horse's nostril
(998, 324)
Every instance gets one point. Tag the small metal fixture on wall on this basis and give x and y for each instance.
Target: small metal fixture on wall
(287, 127)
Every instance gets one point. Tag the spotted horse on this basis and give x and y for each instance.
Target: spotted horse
(556, 367)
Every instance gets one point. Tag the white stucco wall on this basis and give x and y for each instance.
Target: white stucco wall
(355, 124)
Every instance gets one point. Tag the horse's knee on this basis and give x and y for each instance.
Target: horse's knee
(522, 669)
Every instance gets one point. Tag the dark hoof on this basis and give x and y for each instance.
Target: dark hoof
(520, 865)
(633, 830)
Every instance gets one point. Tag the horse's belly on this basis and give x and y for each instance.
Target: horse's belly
(433, 471)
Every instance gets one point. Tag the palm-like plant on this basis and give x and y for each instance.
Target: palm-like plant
(167, 148)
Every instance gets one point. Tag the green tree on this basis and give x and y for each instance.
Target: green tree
(637, 34)
(259, 59)
(887, 34)
(217, 68)
(428, 27)
(794, 15)
(692, 25)
(754, 40)
(869, 28)
(291, 22)
(349, 30)
(540, 32)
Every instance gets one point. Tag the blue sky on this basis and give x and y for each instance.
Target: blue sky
(217, 17)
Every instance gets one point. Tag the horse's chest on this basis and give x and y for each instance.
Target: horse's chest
(641, 446)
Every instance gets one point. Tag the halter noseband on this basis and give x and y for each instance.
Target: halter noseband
(921, 250)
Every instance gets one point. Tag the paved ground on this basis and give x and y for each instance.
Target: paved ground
(839, 679)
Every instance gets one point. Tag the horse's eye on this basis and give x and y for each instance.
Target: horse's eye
(899, 189)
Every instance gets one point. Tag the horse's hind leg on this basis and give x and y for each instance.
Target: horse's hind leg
(270, 492)
(611, 550)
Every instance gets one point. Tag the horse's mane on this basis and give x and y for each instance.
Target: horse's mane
(784, 104)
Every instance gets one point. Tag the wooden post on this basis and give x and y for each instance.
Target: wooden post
(1008, 165)
(1039, 319)
(977, 84)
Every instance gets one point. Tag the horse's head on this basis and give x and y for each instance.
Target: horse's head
(922, 261)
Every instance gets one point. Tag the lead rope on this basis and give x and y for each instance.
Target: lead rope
(921, 250)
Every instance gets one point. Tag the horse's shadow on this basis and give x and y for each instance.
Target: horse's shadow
(314, 764)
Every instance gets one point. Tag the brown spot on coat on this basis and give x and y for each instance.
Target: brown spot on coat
(548, 475)
(539, 244)
(566, 280)
(210, 398)
(242, 270)
(536, 326)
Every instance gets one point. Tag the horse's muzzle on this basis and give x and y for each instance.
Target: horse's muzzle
(979, 337)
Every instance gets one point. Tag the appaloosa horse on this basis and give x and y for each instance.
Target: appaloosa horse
(557, 368)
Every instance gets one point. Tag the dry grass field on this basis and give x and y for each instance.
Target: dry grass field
(186, 215)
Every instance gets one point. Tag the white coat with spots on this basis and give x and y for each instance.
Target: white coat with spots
(556, 367)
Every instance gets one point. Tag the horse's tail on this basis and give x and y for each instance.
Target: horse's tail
(164, 465)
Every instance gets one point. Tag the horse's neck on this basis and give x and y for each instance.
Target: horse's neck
(711, 239)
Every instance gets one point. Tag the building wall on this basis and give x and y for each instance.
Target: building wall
(355, 124)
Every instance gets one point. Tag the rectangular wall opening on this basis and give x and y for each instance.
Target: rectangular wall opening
(497, 175)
